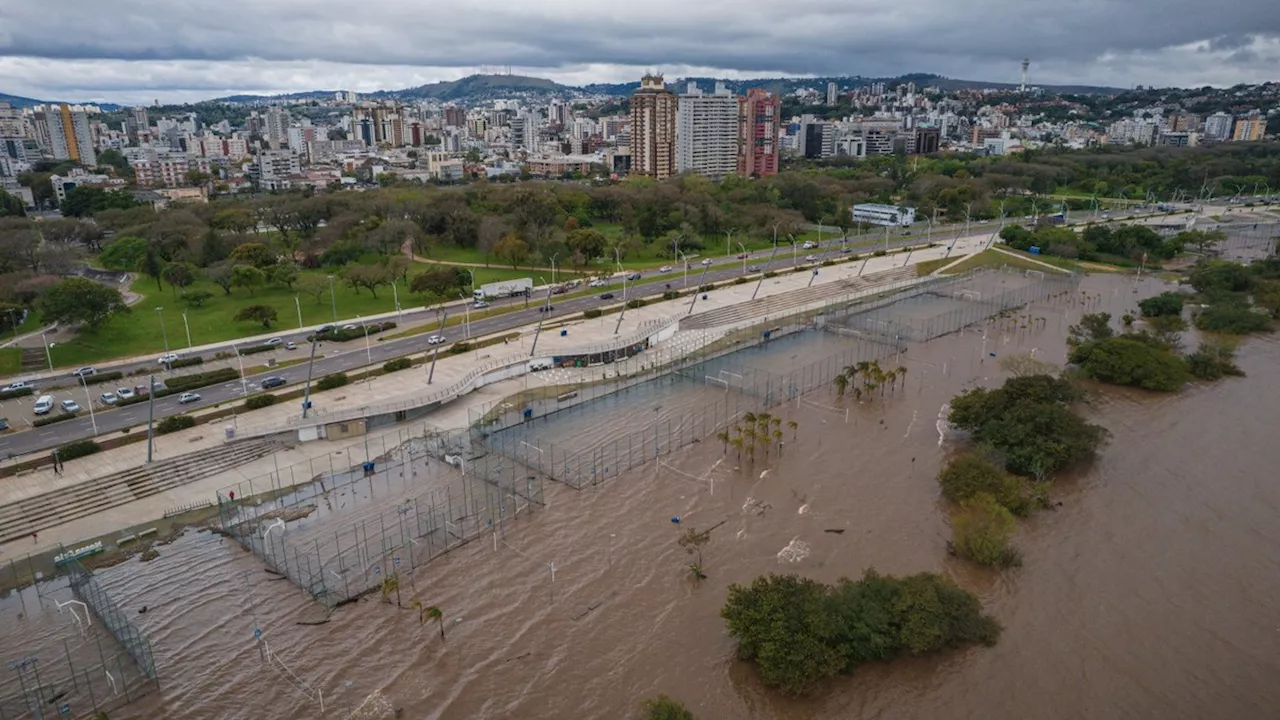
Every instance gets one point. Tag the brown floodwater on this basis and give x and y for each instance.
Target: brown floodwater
(1150, 592)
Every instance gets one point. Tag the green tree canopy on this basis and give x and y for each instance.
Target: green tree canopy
(264, 314)
(79, 300)
(85, 201)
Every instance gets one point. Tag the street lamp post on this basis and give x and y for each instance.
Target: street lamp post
(333, 301)
(47, 355)
(617, 326)
(553, 267)
(186, 326)
(728, 243)
(744, 258)
(968, 208)
(165, 335)
(88, 399)
(473, 282)
(367, 350)
(298, 304)
(244, 382)
(794, 261)
(395, 298)
(466, 319)
(685, 283)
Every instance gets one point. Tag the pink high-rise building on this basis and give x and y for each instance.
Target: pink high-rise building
(758, 133)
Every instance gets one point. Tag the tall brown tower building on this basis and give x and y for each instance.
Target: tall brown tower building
(653, 129)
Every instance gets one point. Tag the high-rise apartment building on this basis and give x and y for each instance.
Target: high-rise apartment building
(1218, 126)
(455, 116)
(758, 133)
(1250, 127)
(707, 132)
(276, 125)
(653, 129)
(10, 121)
(833, 93)
(63, 132)
(1182, 122)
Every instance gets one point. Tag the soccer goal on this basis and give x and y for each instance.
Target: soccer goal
(709, 379)
(843, 412)
(1037, 274)
(969, 295)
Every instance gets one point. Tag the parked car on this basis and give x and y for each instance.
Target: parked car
(633, 276)
(291, 345)
(846, 249)
(17, 385)
(665, 269)
(69, 406)
(606, 296)
(435, 339)
(274, 342)
(44, 404)
(559, 290)
(4, 424)
(109, 398)
(809, 245)
(705, 261)
(811, 258)
(168, 358)
(546, 308)
(85, 371)
(324, 329)
(124, 393)
(596, 283)
(349, 326)
(743, 256)
(753, 268)
(188, 397)
(273, 381)
(479, 305)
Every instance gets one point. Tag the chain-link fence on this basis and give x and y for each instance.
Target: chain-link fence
(58, 655)
(941, 307)
(344, 531)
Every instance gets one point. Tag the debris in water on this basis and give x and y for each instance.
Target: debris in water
(835, 531)
(794, 552)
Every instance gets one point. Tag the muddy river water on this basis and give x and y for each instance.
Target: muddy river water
(1149, 593)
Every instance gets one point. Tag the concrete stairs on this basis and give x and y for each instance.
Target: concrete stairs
(39, 512)
(784, 302)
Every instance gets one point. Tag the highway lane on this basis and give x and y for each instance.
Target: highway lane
(352, 354)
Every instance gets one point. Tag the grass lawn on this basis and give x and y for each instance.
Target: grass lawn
(993, 259)
(929, 266)
(10, 361)
(139, 332)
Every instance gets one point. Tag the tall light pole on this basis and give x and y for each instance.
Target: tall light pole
(744, 258)
(968, 207)
(298, 304)
(466, 318)
(186, 326)
(306, 390)
(617, 326)
(685, 282)
(728, 243)
(333, 301)
(473, 282)
(165, 335)
(244, 382)
(47, 355)
(368, 351)
(794, 260)
(775, 235)
(553, 267)
(88, 399)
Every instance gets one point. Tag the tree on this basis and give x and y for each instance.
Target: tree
(197, 298)
(586, 244)
(152, 266)
(19, 245)
(430, 612)
(512, 249)
(1166, 303)
(1093, 326)
(248, 277)
(255, 254)
(264, 314)
(366, 276)
(1129, 361)
(78, 300)
(440, 281)
(692, 541)
(981, 531)
(179, 275)
(971, 474)
(85, 201)
(222, 274)
(234, 219)
(313, 285)
(285, 274)
(664, 708)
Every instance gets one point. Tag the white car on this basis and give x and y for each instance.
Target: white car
(811, 258)
(274, 342)
(596, 283)
(69, 406)
(85, 371)
(109, 398)
(168, 358)
(479, 305)
(706, 261)
(349, 326)
(188, 397)
(16, 385)
(435, 339)
(124, 393)
(809, 245)
(664, 269)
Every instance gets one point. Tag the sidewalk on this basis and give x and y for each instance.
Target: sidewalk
(397, 386)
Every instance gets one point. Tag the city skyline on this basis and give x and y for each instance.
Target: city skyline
(119, 53)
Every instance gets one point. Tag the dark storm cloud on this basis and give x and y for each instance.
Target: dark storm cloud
(974, 39)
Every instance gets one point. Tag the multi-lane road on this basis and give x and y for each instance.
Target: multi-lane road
(345, 356)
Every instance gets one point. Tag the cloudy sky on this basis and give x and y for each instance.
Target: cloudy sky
(138, 51)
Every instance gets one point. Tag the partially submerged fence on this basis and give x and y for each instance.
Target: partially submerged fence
(344, 531)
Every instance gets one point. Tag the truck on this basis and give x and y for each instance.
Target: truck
(505, 288)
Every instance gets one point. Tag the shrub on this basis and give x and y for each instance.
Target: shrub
(460, 347)
(103, 377)
(329, 382)
(972, 474)
(1232, 318)
(592, 313)
(1130, 361)
(770, 274)
(670, 295)
(981, 530)
(174, 423)
(396, 365)
(636, 303)
(799, 632)
(51, 419)
(20, 392)
(1213, 362)
(739, 280)
(664, 708)
(340, 335)
(706, 288)
(880, 253)
(197, 380)
(1166, 303)
(78, 449)
(186, 362)
(261, 400)
(255, 349)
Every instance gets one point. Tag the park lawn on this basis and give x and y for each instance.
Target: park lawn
(139, 331)
(10, 361)
(994, 259)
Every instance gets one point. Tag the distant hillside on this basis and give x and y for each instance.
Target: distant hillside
(478, 87)
(788, 85)
(26, 102)
(308, 95)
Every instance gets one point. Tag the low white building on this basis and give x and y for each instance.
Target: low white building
(878, 214)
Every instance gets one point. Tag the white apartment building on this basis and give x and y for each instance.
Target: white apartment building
(211, 146)
(707, 132)
(271, 169)
(63, 132)
(1218, 126)
(165, 168)
(63, 184)
(276, 125)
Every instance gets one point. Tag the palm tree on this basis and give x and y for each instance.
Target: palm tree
(777, 437)
(723, 437)
(902, 373)
(892, 377)
(794, 427)
(433, 612)
(391, 584)
(737, 445)
(842, 383)
(857, 394)
(749, 418)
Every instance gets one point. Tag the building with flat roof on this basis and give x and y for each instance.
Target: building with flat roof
(707, 132)
(879, 214)
(758, 133)
(653, 129)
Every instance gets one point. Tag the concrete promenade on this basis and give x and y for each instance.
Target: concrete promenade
(449, 369)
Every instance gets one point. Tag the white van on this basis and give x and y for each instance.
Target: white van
(44, 404)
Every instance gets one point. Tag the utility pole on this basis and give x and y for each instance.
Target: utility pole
(762, 272)
(151, 414)
(306, 390)
(538, 330)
